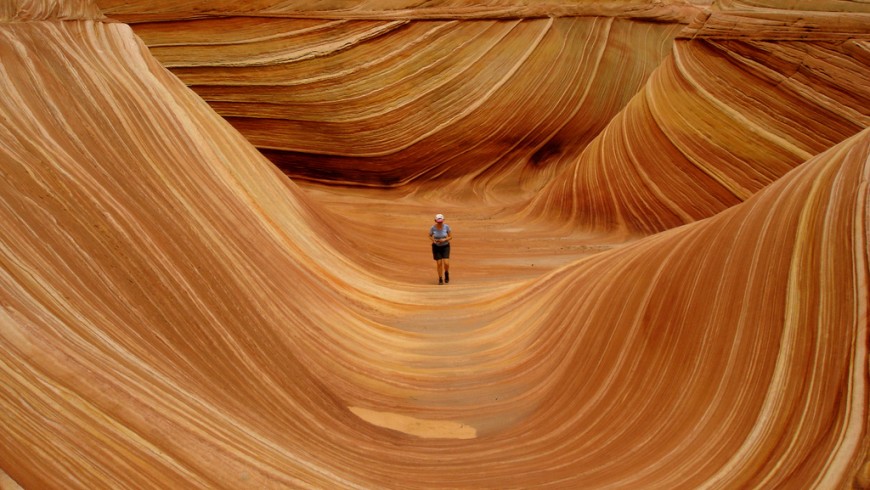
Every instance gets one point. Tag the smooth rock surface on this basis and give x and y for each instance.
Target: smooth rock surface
(660, 268)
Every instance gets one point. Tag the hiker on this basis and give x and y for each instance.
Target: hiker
(440, 236)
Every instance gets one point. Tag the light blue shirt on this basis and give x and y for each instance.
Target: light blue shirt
(440, 234)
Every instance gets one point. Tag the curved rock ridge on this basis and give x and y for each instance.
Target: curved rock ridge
(832, 6)
(781, 24)
(503, 105)
(175, 312)
(133, 205)
(387, 102)
(150, 10)
(718, 121)
(35, 10)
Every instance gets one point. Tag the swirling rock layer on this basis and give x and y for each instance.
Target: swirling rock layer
(386, 102)
(660, 269)
(718, 121)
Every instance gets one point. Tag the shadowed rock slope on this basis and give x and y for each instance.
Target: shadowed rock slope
(175, 312)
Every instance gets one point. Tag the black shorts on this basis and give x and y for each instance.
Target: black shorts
(440, 251)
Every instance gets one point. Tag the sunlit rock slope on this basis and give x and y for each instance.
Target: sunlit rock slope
(743, 97)
(661, 262)
(705, 104)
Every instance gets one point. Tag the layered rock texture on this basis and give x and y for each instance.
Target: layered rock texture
(214, 269)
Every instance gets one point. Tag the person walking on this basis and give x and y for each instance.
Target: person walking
(440, 235)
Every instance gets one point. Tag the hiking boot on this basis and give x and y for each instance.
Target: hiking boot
(446, 277)
(440, 281)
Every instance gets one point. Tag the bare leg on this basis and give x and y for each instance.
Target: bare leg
(440, 265)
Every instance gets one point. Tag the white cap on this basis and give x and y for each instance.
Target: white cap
(439, 217)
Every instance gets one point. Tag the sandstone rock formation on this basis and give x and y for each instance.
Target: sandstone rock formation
(661, 269)
(407, 94)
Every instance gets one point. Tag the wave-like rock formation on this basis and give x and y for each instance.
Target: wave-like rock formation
(30, 10)
(722, 101)
(719, 120)
(669, 290)
(385, 100)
